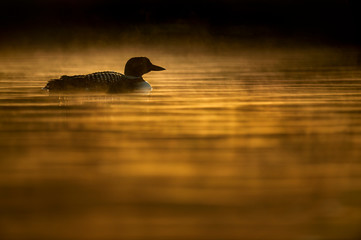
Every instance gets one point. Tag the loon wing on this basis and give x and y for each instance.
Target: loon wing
(94, 82)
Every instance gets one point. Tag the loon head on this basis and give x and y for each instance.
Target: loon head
(138, 66)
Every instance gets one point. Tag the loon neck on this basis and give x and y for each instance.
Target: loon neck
(130, 77)
(132, 73)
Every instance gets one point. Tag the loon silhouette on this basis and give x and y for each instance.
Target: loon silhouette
(108, 81)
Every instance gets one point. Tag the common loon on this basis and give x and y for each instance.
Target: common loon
(108, 81)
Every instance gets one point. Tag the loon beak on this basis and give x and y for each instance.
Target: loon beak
(156, 68)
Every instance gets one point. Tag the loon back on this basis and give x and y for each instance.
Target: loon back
(100, 81)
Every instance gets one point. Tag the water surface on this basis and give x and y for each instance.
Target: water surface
(239, 145)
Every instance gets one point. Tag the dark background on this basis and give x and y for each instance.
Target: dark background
(57, 21)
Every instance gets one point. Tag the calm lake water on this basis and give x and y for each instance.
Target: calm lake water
(242, 144)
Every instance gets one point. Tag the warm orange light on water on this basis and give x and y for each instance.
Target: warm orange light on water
(230, 146)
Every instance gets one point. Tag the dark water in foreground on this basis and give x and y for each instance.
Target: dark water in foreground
(227, 146)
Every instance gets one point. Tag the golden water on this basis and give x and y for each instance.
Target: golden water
(238, 145)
